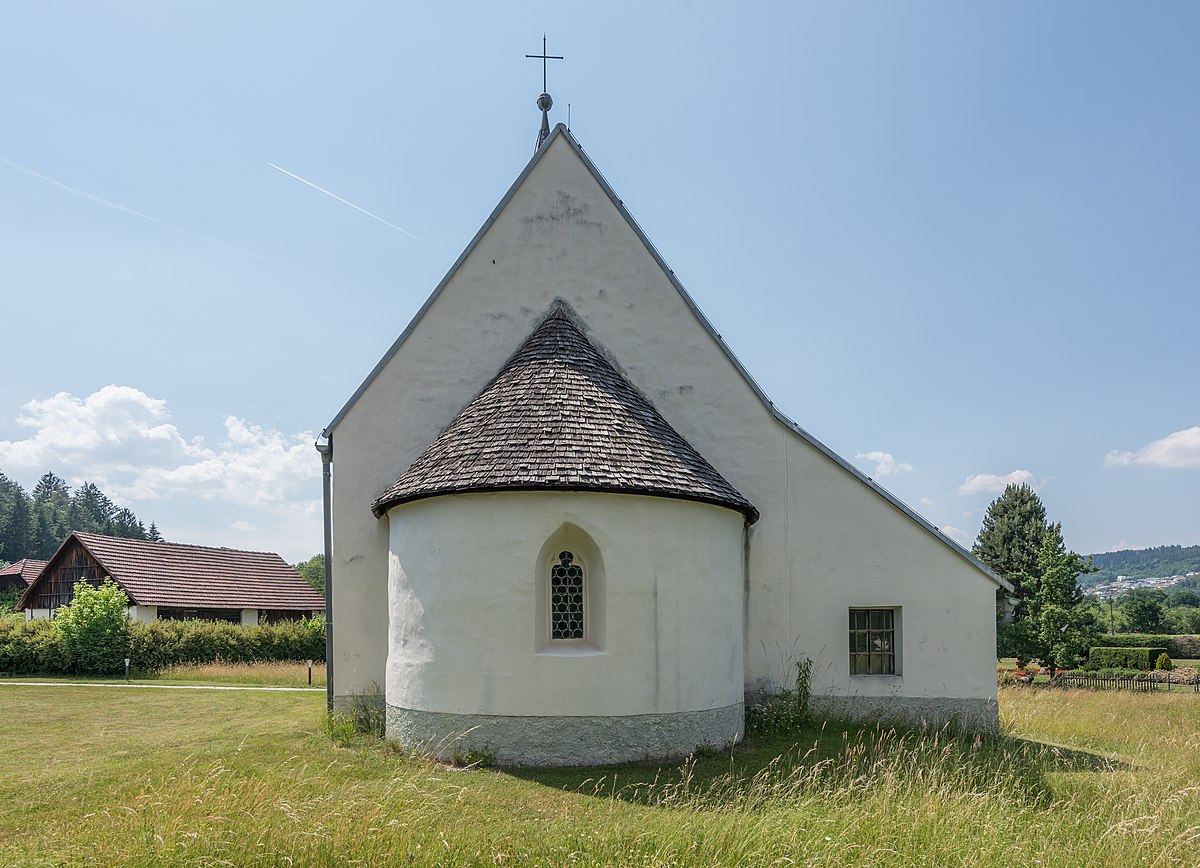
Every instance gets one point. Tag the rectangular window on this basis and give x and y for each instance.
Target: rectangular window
(872, 641)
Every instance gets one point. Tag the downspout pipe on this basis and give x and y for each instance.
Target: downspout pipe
(324, 445)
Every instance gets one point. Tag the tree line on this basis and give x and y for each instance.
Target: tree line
(1173, 610)
(34, 525)
(1145, 563)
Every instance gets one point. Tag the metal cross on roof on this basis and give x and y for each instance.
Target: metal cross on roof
(544, 57)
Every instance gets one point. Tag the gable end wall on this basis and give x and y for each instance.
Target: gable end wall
(559, 235)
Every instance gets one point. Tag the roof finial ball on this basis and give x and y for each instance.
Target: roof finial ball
(544, 102)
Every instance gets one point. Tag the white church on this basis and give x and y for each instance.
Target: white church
(565, 526)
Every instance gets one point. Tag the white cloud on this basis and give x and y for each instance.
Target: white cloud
(885, 464)
(108, 427)
(925, 501)
(959, 536)
(258, 482)
(1177, 450)
(994, 483)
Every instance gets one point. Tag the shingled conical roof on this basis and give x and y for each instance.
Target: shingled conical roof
(560, 417)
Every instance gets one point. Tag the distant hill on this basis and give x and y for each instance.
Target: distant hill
(1144, 563)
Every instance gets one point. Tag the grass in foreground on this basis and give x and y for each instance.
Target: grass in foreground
(143, 777)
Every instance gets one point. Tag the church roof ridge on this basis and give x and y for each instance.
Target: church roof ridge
(559, 416)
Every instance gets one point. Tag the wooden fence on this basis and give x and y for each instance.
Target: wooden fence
(1138, 683)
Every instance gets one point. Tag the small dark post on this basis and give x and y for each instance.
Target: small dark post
(310, 673)
(126, 668)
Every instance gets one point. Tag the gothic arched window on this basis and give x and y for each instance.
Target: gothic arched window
(566, 598)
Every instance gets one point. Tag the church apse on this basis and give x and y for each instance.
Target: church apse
(476, 664)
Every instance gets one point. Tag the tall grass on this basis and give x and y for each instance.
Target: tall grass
(1077, 779)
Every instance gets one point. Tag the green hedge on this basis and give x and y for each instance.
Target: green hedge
(173, 643)
(1143, 640)
(1123, 658)
(31, 646)
(36, 646)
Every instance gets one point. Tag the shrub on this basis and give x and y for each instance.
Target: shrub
(176, 643)
(1164, 662)
(1123, 658)
(9, 598)
(31, 646)
(95, 628)
(1175, 645)
(40, 645)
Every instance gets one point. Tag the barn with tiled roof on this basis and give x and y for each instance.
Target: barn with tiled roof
(21, 574)
(175, 581)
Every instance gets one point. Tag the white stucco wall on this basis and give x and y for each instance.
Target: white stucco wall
(249, 617)
(825, 540)
(463, 599)
(849, 548)
(144, 614)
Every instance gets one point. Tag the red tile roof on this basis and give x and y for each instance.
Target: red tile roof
(27, 569)
(185, 576)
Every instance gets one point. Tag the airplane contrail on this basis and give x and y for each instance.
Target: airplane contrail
(83, 194)
(351, 204)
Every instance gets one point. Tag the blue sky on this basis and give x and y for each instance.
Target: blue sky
(956, 242)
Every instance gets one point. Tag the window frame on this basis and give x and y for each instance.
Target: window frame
(874, 641)
(581, 565)
(586, 554)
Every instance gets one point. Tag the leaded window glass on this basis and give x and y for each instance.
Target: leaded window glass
(872, 642)
(566, 598)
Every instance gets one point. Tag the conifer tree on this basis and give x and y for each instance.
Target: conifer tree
(35, 527)
(1010, 540)
(16, 521)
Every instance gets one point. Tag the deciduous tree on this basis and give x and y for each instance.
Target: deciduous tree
(1143, 611)
(1059, 625)
(95, 628)
(313, 571)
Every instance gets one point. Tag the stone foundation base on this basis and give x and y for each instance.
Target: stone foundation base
(565, 741)
(919, 712)
(358, 703)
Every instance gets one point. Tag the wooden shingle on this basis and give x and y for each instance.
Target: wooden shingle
(559, 416)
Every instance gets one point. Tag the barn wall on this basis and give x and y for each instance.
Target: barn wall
(143, 614)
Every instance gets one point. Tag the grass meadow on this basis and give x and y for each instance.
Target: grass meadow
(270, 674)
(176, 777)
